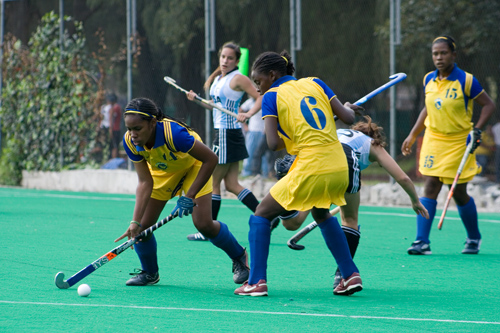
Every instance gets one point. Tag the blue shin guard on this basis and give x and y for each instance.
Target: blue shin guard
(259, 238)
(468, 214)
(424, 225)
(337, 244)
(146, 250)
(226, 242)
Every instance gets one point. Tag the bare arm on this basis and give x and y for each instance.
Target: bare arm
(488, 107)
(209, 161)
(142, 195)
(415, 131)
(380, 155)
(344, 112)
(191, 95)
(243, 83)
(273, 139)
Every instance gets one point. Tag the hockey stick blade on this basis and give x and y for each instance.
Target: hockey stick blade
(86, 271)
(292, 242)
(394, 79)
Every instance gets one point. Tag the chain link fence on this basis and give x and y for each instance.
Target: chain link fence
(346, 44)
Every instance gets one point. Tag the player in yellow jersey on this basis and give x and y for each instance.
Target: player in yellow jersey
(171, 160)
(447, 120)
(299, 116)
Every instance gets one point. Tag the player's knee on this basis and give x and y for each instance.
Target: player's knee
(291, 224)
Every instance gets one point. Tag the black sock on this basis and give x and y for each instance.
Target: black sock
(352, 236)
(216, 201)
(248, 199)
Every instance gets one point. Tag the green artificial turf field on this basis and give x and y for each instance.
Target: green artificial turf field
(45, 232)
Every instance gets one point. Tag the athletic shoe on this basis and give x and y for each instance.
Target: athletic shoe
(419, 247)
(240, 268)
(274, 223)
(472, 246)
(197, 237)
(337, 279)
(143, 278)
(349, 286)
(258, 289)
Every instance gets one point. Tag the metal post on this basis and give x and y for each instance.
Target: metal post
(209, 47)
(292, 31)
(295, 29)
(129, 59)
(394, 40)
(134, 26)
(61, 47)
(1, 63)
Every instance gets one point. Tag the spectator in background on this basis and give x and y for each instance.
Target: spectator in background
(115, 118)
(255, 141)
(485, 151)
(104, 130)
(495, 130)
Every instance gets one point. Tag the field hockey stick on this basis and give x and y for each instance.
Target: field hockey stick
(292, 242)
(172, 82)
(394, 79)
(452, 188)
(59, 279)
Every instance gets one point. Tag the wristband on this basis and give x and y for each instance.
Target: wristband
(135, 222)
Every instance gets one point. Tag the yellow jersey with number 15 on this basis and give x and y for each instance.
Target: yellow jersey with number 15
(449, 101)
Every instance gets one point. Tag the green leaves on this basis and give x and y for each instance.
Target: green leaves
(48, 116)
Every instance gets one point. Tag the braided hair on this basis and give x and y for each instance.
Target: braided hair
(147, 110)
(448, 40)
(272, 61)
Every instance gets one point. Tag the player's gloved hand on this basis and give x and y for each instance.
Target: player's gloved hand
(184, 206)
(476, 139)
(282, 165)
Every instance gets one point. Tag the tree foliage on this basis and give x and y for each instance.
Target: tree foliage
(48, 99)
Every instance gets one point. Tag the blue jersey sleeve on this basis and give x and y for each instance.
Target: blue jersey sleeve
(131, 150)
(476, 88)
(269, 105)
(182, 140)
(329, 92)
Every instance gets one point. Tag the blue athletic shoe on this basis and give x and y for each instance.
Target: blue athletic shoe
(419, 248)
(472, 246)
(143, 278)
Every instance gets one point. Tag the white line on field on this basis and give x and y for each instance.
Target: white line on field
(110, 198)
(253, 312)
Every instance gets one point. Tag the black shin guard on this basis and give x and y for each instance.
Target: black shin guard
(352, 236)
(248, 199)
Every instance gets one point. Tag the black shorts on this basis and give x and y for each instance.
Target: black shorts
(354, 170)
(229, 145)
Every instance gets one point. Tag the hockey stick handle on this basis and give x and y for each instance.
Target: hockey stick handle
(171, 81)
(59, 279)
(455, 181)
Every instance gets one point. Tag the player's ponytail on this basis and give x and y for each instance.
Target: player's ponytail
(371, 129)
(290, 68)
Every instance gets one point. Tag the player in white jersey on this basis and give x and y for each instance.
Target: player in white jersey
(227, 88)
(363, 144)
